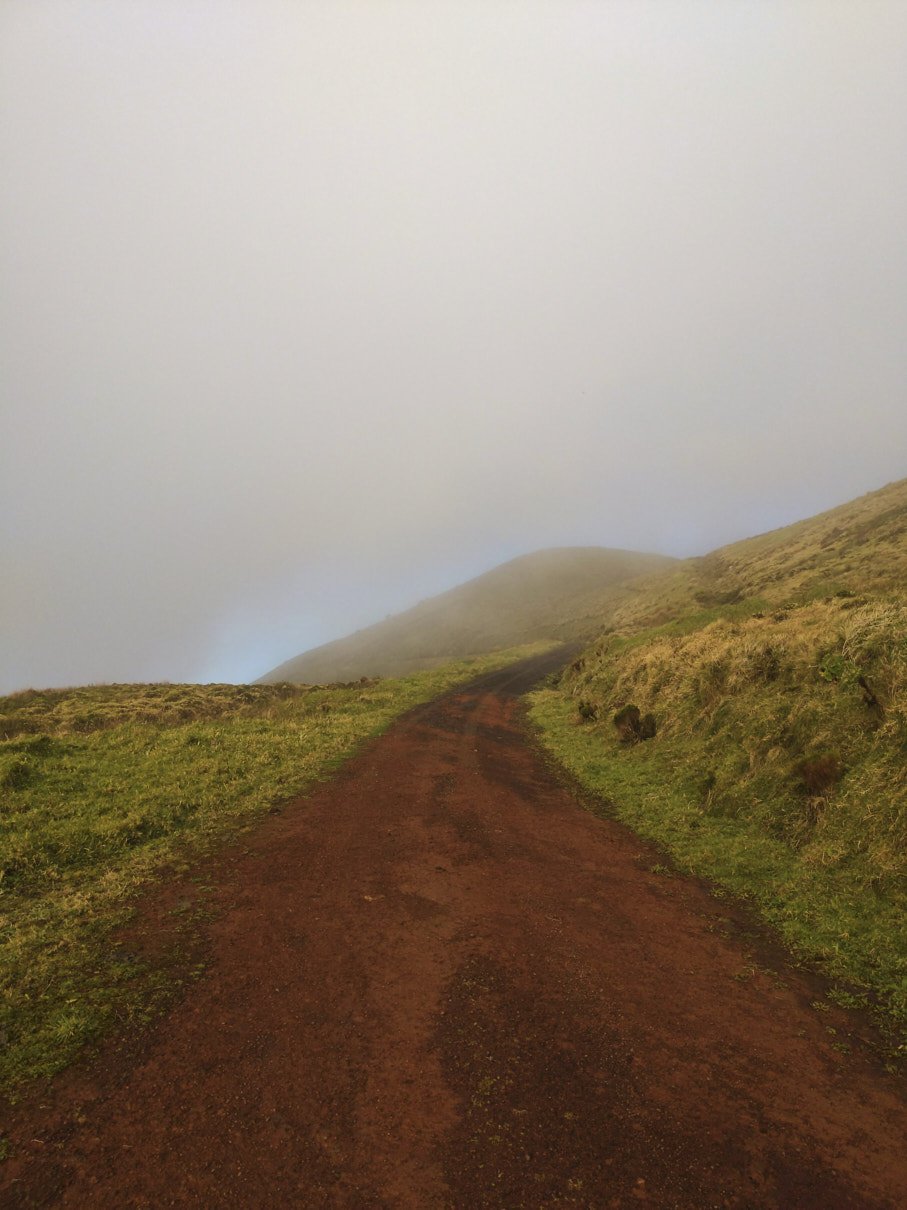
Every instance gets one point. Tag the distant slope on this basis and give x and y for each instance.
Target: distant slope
(859, 547)
(557, 594)
(580, 592)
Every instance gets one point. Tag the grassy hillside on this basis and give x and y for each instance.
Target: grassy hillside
(104, 788)
(555, 595)
(775, 683)
(859, 547)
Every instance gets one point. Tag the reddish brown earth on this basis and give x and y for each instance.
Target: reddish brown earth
(438, 982)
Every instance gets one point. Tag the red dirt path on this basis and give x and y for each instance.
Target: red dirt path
(438, 982)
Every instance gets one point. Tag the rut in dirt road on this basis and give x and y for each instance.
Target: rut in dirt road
(438, 982)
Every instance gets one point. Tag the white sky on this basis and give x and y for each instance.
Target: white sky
(308, 310)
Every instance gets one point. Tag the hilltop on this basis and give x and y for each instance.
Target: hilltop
(555, 595)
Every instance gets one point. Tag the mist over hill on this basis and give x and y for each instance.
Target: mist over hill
(558, 594)
(576, 593)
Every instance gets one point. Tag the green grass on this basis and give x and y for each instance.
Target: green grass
(105, 789)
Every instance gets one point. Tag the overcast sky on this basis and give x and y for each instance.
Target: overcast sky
(310, 310)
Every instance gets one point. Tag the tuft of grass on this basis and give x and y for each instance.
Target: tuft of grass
(104, 788)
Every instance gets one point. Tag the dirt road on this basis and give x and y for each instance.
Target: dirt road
(438, 982)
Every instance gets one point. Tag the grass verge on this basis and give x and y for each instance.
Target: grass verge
(103, 789)
(750, 712)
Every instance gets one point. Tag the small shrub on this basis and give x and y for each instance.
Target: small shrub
(628, 722)
(836, 669)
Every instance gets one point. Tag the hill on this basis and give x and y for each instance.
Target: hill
(555, 595)
(748, 710)
(860, 546)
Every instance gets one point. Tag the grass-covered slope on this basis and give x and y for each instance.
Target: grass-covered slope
(553, 595)
(860, 546)
(778, 701)
(103, 788)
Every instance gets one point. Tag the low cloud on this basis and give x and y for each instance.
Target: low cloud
(309, 311)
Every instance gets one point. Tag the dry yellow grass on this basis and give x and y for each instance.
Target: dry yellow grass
(757, 699)
(860, 547)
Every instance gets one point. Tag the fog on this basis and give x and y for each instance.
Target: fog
(310, 310)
